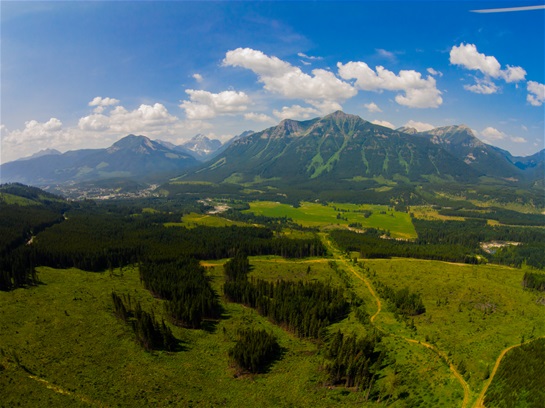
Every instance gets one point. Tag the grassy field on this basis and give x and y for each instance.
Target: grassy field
(429, 213)
(62, 346)
(472, 312)
(13, 199)
(63, 332)
(193, 219)
(318, 215)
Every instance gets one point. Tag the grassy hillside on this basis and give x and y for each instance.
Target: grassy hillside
(473, 312)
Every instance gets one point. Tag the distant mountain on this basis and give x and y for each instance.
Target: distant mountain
(333, 148)
(408, 130)
(44, 152)
(131, 157)
(462, 143)
(201, 146)
(532, 166)
(228, 143)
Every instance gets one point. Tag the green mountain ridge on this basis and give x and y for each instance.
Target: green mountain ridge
(338, 146)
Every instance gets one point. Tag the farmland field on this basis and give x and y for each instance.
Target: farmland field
(317, 215)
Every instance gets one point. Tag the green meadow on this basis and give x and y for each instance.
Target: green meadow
(473, 312)
(317, 215)
(61, 345)
(192, 220)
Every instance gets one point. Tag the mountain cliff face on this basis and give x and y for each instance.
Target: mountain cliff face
(337, 146)
(462, 143)
(131, 157)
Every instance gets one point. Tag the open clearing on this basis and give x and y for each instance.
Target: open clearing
(317, 215)
(473, 312)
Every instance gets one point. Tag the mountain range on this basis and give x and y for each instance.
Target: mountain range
(345, 147)
(131, 157)
(338, 148)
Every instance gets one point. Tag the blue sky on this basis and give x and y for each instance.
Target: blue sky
(84, 74)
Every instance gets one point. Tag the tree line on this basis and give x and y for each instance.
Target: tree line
(96, 242)
(533, 280)
(254, 350)
(150, 334)
(182, 283)
(520, 378)
(354, 361)
(452, 241)
(404, 302)
(304, 308)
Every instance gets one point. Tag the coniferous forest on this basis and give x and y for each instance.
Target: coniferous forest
(303, 308)
(520, 378)
(254, 350)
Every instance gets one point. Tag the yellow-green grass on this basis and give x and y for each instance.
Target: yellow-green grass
(13, 199)
(473, 312)
(419, 372)
(65, 334)
(429, 213)
(208, 220)
(273, 268)
(318, 215)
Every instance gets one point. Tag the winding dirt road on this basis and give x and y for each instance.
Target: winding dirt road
(338, 256)
(480, 401)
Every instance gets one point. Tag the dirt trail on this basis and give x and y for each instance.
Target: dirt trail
(59, 390)
(277, 260)
(455, 372)
(480, 401)
(338, 256)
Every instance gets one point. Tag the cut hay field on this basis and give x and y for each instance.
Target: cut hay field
(317, 215)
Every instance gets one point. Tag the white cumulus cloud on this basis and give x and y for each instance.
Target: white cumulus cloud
(420, 126)
(197, 77)
(146, 119)
(258, 117)
(482, 86)
(384, 123)
(101, 103)
(513, 74)
(32, 138)
(492, 134)
(296, 112)
(417, 92)
(207, 105)
(372, 107)
(536, 93)
(433, 72)
(518, 139)
(468, 57)
(320, 88)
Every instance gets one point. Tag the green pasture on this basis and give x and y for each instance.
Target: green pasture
(473, 312)
(317, 215)
(193, 219)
